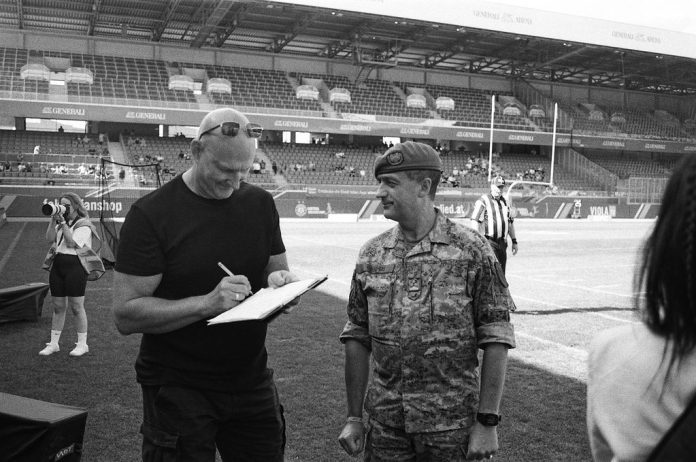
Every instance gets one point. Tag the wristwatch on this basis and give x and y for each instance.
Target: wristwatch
(488, 420)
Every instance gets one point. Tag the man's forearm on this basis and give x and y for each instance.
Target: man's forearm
(151, 315)
(493, 369)
(139, 312)
(356, 375)
(512, 233)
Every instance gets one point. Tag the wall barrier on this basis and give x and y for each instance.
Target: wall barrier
(307, 205)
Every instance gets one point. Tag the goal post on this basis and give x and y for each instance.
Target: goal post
(517, 182)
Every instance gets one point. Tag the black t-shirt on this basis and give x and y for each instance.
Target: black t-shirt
(182, 236)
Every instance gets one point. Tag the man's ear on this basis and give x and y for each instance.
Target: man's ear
(425, 185)
(196, 148)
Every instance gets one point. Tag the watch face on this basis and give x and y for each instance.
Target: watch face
(489, 420)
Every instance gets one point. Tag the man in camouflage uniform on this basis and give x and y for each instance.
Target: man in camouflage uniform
(425, 296)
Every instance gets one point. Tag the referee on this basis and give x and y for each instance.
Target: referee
(491, 211)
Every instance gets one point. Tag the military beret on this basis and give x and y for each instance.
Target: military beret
(408, 156)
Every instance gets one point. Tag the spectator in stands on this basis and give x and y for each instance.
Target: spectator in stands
(86, 139)
(274, 167)
(491, 216)
(68, 279)
(262, 164)
(60, 129)
(211, 384)
(256, 167)
(181, 154)
(641, 376)
(423, 393)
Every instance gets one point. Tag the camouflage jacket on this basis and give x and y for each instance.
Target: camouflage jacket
(423, 313)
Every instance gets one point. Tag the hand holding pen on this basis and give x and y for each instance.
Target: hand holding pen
(234, 287)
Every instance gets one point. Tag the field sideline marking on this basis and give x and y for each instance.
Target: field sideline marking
(11, 248)
(578, 352)
(572, 286)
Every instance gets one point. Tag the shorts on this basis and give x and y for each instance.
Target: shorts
(186, 424)
(67, 277)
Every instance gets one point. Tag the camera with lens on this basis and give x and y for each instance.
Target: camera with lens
(50, 209)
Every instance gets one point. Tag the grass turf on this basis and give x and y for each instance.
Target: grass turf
(544, 410)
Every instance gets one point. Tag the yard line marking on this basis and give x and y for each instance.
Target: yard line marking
(574, 269)
(606, 285)
(571, 286)
(576, 352)
(601, 315)
(11, 248)
(614, 318)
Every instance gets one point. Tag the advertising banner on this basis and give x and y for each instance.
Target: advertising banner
(430, 129)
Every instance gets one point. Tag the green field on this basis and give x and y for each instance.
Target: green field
(570, 280)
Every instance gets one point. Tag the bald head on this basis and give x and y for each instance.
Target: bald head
(218, 116)
(222, 152)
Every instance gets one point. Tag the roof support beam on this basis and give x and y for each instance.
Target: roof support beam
(211, 22)
(280, 42)
(165, 17)
(535, 67)
(221, 36)
(401, 44)
(347, 41)
(446, 53)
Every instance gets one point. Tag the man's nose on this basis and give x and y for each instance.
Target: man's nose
(235, 179)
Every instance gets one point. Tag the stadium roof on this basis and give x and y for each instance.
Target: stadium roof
(364, 39)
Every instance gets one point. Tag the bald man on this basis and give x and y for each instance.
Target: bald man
(203, 387)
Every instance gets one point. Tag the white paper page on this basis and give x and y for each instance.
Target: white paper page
(263, 302)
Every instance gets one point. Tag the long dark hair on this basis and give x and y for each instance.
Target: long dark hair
(668, 270)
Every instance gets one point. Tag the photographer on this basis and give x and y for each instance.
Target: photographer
(68, 230)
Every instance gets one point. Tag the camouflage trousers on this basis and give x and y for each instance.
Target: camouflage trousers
(389, 444)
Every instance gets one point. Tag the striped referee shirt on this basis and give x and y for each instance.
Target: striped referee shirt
(495, 214)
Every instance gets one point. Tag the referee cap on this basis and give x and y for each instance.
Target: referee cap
(498, 181)
(409, 155)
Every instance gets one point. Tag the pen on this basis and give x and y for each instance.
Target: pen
(230, 273)
(225, 269)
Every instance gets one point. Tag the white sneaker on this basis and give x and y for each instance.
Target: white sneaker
(50, 349)
(79, 350)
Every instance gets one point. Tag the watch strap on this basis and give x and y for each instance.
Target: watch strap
(488, 420)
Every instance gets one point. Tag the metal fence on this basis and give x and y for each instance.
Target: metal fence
(586, 170)
(645, 190)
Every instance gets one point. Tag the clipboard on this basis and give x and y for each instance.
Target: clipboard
(266, 303)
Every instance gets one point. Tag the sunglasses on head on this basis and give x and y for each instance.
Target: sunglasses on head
(232, 129)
